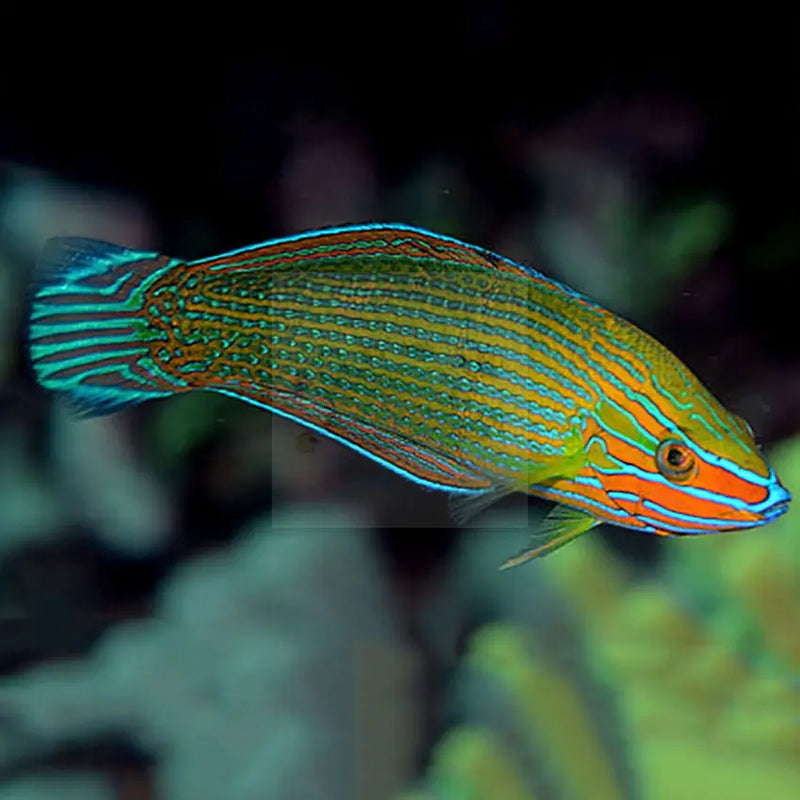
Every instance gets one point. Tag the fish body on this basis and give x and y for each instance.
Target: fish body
(458, 368)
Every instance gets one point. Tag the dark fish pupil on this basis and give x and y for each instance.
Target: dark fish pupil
(675, 457)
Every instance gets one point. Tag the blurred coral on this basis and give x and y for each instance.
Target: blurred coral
(262, 667)
(58, 785)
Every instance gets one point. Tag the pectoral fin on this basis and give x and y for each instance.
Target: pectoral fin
(559, 527)
(465, 506)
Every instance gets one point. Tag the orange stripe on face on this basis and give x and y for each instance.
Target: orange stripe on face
(611, 469)
(673, 498)
(628, 454)
(636, 508)
(719, 480)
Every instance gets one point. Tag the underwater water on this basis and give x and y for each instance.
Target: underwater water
(202, 600)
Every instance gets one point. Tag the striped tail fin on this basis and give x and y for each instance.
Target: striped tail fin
(89, 335)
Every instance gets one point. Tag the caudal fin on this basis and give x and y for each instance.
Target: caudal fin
(88, 334)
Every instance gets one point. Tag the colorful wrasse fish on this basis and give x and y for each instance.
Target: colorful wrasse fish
(447, 363)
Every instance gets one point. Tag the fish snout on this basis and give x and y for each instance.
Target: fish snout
(776, 503)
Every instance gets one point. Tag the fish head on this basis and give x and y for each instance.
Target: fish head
(673, 461)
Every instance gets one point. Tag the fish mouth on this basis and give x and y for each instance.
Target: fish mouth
(775, 511)
(776, 504)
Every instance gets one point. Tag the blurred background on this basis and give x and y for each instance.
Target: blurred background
(197, 600)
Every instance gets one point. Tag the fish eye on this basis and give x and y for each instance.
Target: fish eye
(675, 460)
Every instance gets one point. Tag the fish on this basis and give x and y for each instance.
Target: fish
(456, 367)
